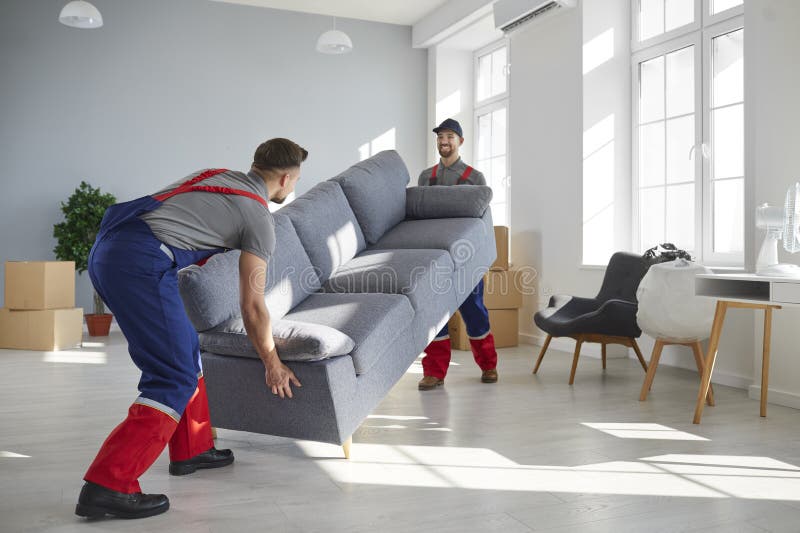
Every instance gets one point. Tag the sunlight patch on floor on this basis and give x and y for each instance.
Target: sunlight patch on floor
(694, 476)
(642, 431)
(12, 455)
(76, 357)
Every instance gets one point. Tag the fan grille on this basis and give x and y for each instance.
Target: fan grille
(791, 243)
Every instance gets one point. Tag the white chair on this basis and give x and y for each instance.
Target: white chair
(670, 312)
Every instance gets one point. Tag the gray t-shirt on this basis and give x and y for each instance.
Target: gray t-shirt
(204, 221)
(451, 175)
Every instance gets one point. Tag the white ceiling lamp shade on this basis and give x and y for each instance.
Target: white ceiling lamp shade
(80, 14)
(334, 41)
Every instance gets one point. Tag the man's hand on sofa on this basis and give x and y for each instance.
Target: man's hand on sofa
(279, 378)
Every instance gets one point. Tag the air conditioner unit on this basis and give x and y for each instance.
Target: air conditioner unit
(510, 14)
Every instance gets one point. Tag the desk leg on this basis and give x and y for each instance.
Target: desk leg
(765, 359)
(708, 367)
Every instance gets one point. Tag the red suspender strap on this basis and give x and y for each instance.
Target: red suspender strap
(188, 184)
(464, 177)
(190, 187)
(226, 190)
(433, 174)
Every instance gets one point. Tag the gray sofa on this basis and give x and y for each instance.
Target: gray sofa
(365, 272)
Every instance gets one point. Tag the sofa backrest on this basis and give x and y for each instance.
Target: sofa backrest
(327, 227)
(211, 293)
(375, 190)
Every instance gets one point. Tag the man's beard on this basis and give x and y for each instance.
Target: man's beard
(445, 151)
(279, 199)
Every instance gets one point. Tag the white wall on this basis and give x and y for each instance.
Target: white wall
(453, 96)
(167, 87)
(545, 160)
(772, 82)
(606, 182)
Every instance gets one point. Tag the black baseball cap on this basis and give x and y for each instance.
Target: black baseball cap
(452, 125)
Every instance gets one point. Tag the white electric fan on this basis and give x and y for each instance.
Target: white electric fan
(779, 223)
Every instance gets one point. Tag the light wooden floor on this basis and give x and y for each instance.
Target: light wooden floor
(527, 454)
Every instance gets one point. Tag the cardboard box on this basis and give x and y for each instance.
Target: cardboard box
(504, 324)
(502, 243)
(505, 327)
(502, 289)
(37, 285)
(458, 333)
(46, 330)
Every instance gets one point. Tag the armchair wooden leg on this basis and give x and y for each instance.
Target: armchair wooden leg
(638, 354)
(578, 343)
(541, 353)
(603, 352)
(651, 371)
(697, 349)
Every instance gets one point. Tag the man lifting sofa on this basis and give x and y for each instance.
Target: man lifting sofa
(366, 271)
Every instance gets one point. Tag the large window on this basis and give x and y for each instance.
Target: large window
(689, 128)
(491, 125)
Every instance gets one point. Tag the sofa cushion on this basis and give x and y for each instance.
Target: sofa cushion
(422, 275)
(462, 237)
(211, 293)
(373, 321)
(295, 341)
(447, 202)
(375, 189)
(327, 227)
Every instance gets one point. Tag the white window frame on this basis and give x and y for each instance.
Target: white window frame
(489, 49)
(709, 255)
(637, 45)
(698, 34)
(489, 105)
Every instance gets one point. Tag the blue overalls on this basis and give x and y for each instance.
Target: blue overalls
(476, 318)
(136, 275)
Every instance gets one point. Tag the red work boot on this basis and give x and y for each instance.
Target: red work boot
(486, 356)
(435, 363)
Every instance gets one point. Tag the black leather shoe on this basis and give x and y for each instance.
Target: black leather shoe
(211, 458)
(96, 501)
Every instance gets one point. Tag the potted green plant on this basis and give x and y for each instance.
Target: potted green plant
(83, 212)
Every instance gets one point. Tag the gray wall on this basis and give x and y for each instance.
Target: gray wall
(169, 86)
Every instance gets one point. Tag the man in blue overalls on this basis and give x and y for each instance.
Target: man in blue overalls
(451, 170)
(133, 265)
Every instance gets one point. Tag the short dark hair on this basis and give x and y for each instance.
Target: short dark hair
(277, 154)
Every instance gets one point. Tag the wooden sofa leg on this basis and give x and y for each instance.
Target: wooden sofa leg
(541, 354)
(578, 343)
(346, 446)
(603, 352)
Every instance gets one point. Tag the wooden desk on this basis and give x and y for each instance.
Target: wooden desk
(747, 291)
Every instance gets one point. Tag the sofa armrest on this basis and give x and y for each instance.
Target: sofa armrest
(438, 201)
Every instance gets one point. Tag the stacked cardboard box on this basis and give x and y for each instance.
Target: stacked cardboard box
(502, 295)
(39, 311)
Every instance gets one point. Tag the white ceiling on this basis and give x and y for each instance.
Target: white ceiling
(405, 12)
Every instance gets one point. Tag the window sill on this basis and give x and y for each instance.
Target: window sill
(592, 267)
(715, 269)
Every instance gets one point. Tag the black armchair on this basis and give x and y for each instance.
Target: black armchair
(609, 318)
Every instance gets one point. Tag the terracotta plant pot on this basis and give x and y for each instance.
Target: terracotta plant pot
(99, 325)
